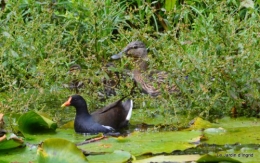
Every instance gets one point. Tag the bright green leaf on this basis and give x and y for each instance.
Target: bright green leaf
(245, 156)
(200, 123)
(170, 4)
(11, 142)
(209, 158)
(59, 151)
(117, 156)
(33, 122)
(68, 134)
(231, 131)
(182, 158)
(139, 143)
(23, 155)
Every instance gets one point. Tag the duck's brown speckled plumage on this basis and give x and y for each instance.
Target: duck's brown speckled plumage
(150, 82)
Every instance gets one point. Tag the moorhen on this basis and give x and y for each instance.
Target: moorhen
(106, 119)
(149, 82)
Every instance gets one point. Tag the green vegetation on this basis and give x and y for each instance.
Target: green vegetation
(211, 47)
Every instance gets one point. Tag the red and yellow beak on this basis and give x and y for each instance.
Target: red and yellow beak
(67, 103)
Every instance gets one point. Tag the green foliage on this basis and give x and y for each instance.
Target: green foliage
(88, 26)
(210, 47)
(170, 4)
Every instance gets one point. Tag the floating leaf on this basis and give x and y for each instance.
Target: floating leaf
(209, 158)
(245, 156)
(122, 139)
(68, 125)
(19, 155)
(117, 156)
(10, 141)
(182, 158)
(139, 143)
(228, 122)
(215, 130)
(199, 123)
(239, 130)
(59, 151)
(68, 134)
(32, 122)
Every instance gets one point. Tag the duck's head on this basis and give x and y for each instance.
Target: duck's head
(76, 101)
(136, 49)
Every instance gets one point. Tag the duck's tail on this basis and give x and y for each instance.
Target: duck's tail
(128, 105)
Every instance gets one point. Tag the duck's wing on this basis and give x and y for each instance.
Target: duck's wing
(109, 107)
(154, 82)
(128, 106)
(93, 128)
(146, 84)
(158, 76)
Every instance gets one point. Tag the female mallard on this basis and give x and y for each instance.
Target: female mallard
(151, 83)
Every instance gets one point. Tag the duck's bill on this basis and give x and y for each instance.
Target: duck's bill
(67, 103)
(63, 105)
(117, 56)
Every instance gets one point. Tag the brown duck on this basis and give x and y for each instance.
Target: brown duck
(151, 82)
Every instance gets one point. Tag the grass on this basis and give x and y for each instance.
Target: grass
(210, 47)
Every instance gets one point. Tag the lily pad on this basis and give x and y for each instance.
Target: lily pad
(68, 134)
(228, 122)
(68, 125)
(209, 158)
(33, 122)
(139, 143)
(243, 155)
(59, 151)
(23, 155)
(199, 123)
(117, 156)
(182, 158)
(239, 130)
(10, 141)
